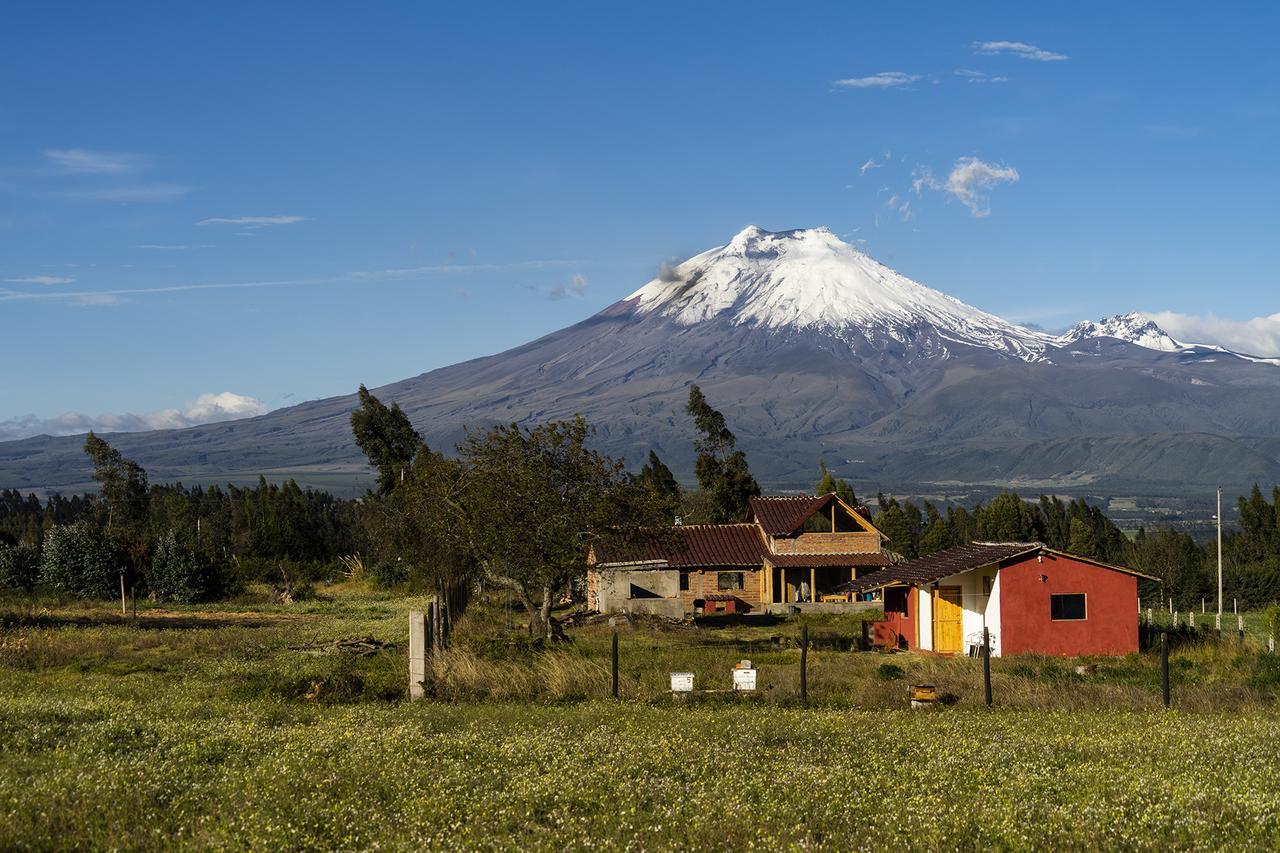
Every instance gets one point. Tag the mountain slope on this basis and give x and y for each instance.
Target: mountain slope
(811, 349)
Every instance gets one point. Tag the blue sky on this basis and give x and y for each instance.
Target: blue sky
(282, 201)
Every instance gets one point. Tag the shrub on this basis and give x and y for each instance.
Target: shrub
(76, 560)
(389, 574)
(889, 671)
(19, 567)
(180, 573)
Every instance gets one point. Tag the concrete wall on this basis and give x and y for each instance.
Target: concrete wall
(613, 588)
(975, 606)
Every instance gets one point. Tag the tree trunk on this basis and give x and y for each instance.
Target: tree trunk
(544, 613)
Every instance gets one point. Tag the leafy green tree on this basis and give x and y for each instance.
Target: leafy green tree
(178, 572)
(827, 484)
(1083, 542)
(387, 439)
(1008, 518)
(657, 477)
(937, 531)
(538, 500)
(123, 486)
(19, 567)
(722, 470)
(901, 522)
(76, 560)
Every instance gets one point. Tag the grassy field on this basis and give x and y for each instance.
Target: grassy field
(237, 726)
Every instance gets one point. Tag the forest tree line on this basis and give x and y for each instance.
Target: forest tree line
(519, 508)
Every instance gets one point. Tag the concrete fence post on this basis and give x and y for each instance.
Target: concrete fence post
(417, 653)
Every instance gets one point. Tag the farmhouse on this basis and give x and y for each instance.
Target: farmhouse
(795, 551)
(1029, 598)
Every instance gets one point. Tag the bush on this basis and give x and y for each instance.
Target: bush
(389, 574)
(890, 671)
(179, 573)
(19, 567)
(76, 560)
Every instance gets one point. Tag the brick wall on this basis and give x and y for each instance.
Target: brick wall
(752, 586)
(828, 543)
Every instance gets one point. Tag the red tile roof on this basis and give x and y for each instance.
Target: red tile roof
(784, 515)
(944, 563)
(697, 545)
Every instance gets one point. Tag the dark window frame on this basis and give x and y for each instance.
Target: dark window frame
(722, 576)
(1058, 601)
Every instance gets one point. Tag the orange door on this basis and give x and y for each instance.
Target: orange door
(947, 611)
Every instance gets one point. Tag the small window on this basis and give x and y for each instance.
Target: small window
(1067, 607)
(729, 580)
(684, 581)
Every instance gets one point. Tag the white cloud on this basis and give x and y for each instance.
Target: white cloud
(164, 248)
(868, 166)
(146, 192)
(577, 286)
(970, 182)
(94, 162)
(252, 221)
(1020, 49)
(1257, 336)
(901, 206)
(47, 280)
(971, 76)
(882, 80)
(207, 408)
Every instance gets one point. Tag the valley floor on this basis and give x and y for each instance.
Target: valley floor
(239, 727)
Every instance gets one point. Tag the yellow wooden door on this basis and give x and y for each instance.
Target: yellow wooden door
(947, 611)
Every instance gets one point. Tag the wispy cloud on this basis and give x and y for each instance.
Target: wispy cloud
(93, 162)
(1256, 336)
(146, 192)
(110, 297)
(47, 280)
(164, 248)
(252, 221)
(576, 287)
(900, 206)
(970, 182)
(881, 80)
(873, 163)
(1020, 49)
(971, 76)
(207, 408)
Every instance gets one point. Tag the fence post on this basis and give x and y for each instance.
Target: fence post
(1150, 617)
(417, 653)
(986, 666)
(1217, 622)
(804, 664)
(615, 665)
(1271, 644)
(1240, 628)
(1164, 667)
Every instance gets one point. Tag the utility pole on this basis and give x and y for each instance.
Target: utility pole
(1219, 517)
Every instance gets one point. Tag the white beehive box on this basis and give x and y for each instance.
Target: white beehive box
(682, 682)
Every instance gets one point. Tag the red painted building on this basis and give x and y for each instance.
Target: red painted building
(1027, 598)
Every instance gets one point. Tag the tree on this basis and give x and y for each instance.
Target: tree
(538, 499)
(179, 572)
(1008, 518)
(657, 477)
(123, 486)
(76, 560)
(386, 437)
(901, 522)
(19, 567)
(827, 484)
(1083, 543)
(721, 469)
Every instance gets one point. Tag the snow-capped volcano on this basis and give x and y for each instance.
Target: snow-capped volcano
(810, 279)
(1133, 328)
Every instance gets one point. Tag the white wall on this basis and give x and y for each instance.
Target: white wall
(924, 617)
(975, 606)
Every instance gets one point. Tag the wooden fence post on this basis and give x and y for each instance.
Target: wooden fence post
(986, 666)
(804, 664)
(1240, 628)
(614, 691)
(1164, 667)
(417, 653)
